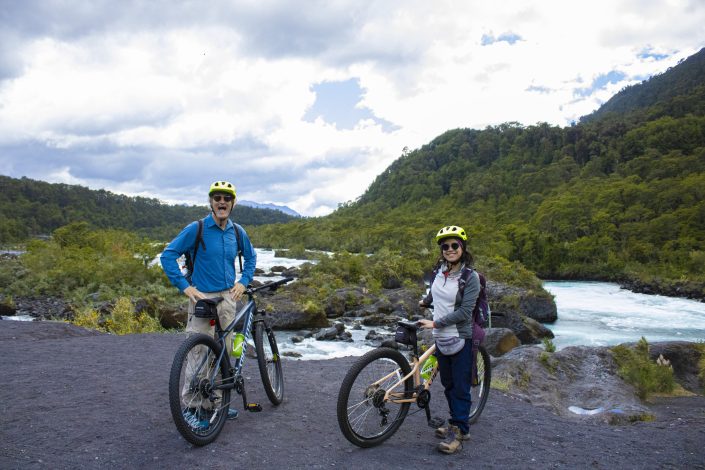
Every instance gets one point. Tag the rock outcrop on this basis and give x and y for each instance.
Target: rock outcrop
(584, 381)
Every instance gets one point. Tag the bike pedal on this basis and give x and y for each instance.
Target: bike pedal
(254, 407)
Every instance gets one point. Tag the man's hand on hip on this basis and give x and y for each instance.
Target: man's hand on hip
(194, 294)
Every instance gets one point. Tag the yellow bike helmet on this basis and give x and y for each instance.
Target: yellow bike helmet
(451, 231)
(222, 187)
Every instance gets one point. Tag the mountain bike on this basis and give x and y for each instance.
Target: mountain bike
(202, 374)
(377, 391)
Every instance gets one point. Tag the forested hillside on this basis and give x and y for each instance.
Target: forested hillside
(29, 207)
(620, 195)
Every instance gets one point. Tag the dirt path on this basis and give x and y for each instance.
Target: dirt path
(74, 399)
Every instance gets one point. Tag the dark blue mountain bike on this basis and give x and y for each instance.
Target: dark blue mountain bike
(202, 375)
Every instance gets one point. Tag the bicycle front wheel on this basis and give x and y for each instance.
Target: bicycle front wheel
(269, 361)
(198, 405)
(364, 416)
(480, 390)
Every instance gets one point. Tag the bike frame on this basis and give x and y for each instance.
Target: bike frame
(401, 397)
(248, 311)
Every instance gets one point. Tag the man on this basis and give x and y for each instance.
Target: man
(214, 265)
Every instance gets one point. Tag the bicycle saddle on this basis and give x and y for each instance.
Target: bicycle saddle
(408, 325)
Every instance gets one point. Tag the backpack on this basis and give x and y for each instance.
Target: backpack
(191, 259)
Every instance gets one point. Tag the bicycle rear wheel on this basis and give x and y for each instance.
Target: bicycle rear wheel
(269, 361)
(480, 391)
(364, 417)
(198, 408)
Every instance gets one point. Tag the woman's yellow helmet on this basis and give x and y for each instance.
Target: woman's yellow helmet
(451, 231)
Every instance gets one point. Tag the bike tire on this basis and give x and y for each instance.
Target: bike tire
(481, 390)
(361, 420)
(270, 364)
(197, 356)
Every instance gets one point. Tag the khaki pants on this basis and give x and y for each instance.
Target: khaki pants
(226, 313)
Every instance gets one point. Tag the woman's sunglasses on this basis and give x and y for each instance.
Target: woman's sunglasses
(452, 246)
(226, 197)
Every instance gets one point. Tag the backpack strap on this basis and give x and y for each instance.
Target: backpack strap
(191, 259)
(238, 237)
(199, 240)
(462, 282)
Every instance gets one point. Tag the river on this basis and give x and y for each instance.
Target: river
(589, 313)
(600, 314)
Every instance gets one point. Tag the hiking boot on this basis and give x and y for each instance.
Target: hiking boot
(233, 413)
(442, 433)
(452, 443)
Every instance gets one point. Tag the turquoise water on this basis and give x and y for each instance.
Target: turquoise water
(600, 314)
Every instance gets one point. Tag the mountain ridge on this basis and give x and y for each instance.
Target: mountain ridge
(617, 197)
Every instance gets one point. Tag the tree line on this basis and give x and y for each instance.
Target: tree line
(30, 208)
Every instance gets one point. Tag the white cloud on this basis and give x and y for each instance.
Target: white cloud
(160, 99)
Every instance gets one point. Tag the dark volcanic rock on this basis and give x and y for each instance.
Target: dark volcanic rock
(580, 377)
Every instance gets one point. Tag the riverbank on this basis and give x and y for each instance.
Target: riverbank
(91, 400)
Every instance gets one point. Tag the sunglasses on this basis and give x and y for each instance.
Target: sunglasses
(452, 246)
(226, 197)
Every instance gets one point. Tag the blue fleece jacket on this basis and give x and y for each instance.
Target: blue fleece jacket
(214, 269)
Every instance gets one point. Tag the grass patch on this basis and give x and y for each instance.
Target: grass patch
(548, 362)
(500, 383)
(646, 376)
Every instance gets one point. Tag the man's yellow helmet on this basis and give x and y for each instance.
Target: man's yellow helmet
(222, 187)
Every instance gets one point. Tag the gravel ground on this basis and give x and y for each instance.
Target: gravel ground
(77, 399)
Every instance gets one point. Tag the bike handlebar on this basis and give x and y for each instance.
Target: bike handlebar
(269, 285)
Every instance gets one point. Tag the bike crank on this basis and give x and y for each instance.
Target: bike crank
(240, 388)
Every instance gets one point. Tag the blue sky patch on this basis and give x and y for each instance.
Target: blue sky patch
(507, 37)
(601, 81)
(649, 54)
(336, 104)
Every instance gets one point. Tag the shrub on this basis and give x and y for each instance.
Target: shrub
(123, 320)
(548, 345)
(636, 368)
(88, 318)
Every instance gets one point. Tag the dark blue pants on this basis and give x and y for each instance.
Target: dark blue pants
(455, 373)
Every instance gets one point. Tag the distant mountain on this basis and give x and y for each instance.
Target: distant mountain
(30, 207)
(274, 207)
(676, 92)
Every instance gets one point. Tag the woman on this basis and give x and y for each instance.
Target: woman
(452, 330)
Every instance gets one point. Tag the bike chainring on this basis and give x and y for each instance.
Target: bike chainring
(423, 398)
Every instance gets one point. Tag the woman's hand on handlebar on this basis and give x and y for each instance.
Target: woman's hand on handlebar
(237, 290)
(194, 294)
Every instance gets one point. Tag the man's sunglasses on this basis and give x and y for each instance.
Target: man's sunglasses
(453, 246)
(226, 197)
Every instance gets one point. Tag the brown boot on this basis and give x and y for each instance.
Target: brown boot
(442, 433)
(452, 443)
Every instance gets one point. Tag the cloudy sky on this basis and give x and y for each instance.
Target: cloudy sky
(301, 103)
